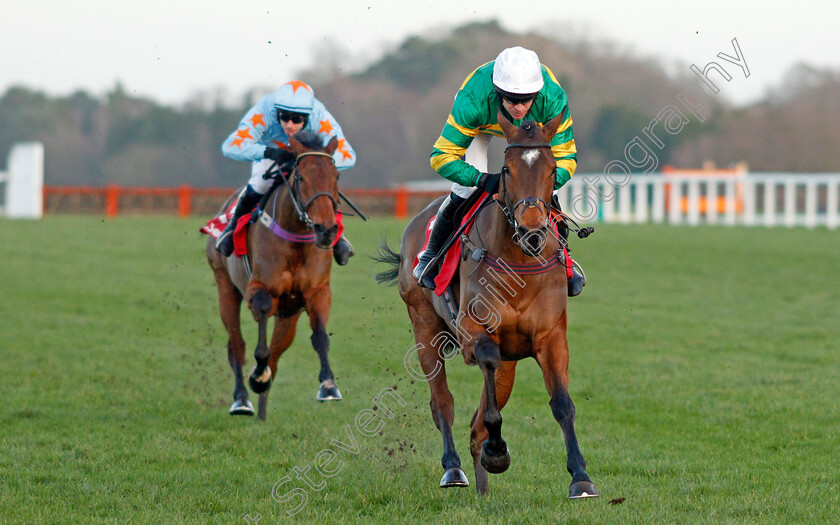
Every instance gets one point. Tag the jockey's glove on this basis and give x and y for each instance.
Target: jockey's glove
(489, 182)
(278, 155)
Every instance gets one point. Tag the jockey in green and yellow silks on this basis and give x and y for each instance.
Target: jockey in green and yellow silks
(474, 113)
(518, 84)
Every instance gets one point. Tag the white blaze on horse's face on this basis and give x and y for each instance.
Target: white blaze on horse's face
(530, 156)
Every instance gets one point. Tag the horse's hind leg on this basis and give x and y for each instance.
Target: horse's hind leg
(230, 303)
(478, 432)
(434, 344)
(318, 303)
(281, 339)
(553, 358)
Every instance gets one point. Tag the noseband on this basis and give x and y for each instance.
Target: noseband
(528, 202)
(294, 189)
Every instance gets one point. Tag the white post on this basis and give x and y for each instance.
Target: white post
(811, 203)
(749, 202)
(624, 203)
(657, 214)
(693, 202)
(712, 201)
(769, 202)
(25, 181)
(641, 185)
(790, 203)
(675, 201)
(731, 196)
(832, 213)
(608, 205)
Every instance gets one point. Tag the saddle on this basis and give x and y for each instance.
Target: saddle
(448, 259)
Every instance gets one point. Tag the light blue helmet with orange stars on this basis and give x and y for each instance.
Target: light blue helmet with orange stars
(295, 97)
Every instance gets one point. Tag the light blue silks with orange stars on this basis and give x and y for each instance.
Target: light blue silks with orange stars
(260, 128)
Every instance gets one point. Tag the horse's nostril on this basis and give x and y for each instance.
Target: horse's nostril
(532, 240)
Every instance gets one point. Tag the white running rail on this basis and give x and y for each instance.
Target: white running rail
(756, 199)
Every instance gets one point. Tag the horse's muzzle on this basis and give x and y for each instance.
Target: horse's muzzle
(532, 241)
(324, 237)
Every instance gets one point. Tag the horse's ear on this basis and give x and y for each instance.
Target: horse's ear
(297, 147)
(332, 145)
(550, 127)
(508, 128)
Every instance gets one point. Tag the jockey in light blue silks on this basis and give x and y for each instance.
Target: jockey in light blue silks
(263, 138)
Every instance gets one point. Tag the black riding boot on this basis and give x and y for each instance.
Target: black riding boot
(343, 250)
(577, 280)
(441, 229)
(247, 200)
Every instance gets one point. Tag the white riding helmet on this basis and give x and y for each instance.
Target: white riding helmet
(295, 97)
(517, 71)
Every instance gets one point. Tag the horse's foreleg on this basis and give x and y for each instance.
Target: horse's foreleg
(318, 303)
(494, 453)
(230, 302)
(262, 305)
(478, 432)
(281, 340)
(554, 361)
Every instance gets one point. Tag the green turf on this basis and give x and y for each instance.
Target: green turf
(705, 369)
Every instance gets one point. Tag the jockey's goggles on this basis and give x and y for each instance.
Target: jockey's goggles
(290, 116)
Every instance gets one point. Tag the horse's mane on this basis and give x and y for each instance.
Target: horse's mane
(310, 140)
(530, 127)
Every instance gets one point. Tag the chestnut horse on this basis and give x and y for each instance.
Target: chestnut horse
(284, 277)
(511, 296)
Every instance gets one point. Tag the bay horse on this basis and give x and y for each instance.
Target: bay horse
(511, 296)
(283, 276)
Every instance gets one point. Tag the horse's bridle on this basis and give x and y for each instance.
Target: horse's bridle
(294, 188)
(527, 202)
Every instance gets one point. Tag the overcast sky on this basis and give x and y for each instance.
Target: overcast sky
(170, 49)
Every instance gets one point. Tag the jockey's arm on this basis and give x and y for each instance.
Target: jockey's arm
(325, 125)
(243, 143)
(457, 135)
(564, 150)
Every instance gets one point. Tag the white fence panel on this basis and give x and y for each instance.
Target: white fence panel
(24, 182)
(767, 199)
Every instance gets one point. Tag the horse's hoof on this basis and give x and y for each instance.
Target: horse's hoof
(241, 407)
(494, 463)
(328, 392)
(454, 477)
(262, 383)
(583, 489)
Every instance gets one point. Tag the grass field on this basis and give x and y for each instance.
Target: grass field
(705, 370)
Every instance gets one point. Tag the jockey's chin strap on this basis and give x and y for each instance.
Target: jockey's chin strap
(528, 202)
(294, 188)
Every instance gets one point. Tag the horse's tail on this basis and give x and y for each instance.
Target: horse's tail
(387, 256)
